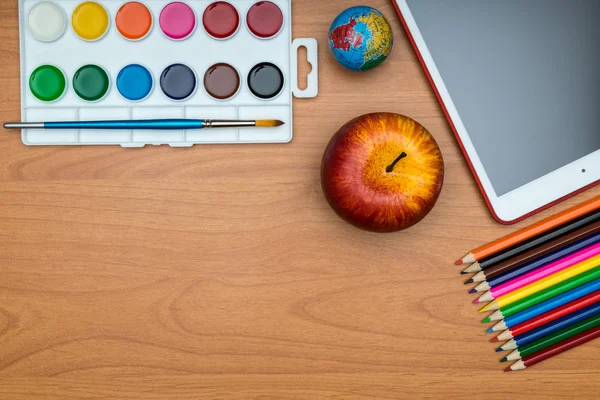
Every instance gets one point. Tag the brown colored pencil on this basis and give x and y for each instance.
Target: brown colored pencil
(549, 247)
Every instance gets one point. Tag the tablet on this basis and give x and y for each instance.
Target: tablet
(519, 81)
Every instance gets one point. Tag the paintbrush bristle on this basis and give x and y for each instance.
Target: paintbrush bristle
(269, 123)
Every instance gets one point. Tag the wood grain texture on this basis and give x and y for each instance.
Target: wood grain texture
(220, 272)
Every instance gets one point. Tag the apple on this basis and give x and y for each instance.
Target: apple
(382, 172)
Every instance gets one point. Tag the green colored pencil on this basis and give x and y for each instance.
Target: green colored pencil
(554, 338)
(551, 292)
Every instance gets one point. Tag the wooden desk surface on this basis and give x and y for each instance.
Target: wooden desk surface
(220, 271)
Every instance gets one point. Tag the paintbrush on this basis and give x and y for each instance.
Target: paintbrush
(150, 124)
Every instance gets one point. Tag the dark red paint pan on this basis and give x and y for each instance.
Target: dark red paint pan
(265, 20)
(221, 20)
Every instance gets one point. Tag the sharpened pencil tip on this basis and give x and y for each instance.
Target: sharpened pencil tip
(493, 306)
(491, 330)
(472, 291)
(505, 359)
(486, 320)
(469, 281)
(494, 340)
(459, 262)
(508, 369)
(499, 350)
(464, 273)
(476, 301)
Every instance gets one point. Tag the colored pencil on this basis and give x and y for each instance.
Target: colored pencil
(512, 330)
(550, 286)
(576, 240)
(572, 226)
(523, 311)
(540, 228)
(552, 339)
(560, 270)
(534, 265)
(576, 318)
(556, 349)
(498, 279)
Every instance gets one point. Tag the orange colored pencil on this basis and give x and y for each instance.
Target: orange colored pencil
(529, 232)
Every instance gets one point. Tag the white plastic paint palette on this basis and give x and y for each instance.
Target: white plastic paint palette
(152, 59)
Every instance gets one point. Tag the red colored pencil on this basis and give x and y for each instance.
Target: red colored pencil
(545, 318)
(555, 350)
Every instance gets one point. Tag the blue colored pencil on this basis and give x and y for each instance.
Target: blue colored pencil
(542, 307)
(554, 326)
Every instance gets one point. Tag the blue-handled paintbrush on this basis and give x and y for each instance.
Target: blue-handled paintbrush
(151, 124)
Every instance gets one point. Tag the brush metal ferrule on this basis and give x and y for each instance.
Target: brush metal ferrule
(227, 124)
(24, 125)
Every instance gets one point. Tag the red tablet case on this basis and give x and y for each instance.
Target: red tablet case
(462, 147)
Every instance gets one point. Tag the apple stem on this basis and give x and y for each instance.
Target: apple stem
(390, 167)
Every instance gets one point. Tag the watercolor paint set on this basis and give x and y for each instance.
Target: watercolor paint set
(154, 59)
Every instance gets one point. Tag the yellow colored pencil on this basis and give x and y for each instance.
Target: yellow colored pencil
(543, 284)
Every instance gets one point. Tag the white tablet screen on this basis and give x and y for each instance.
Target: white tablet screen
(524, 76)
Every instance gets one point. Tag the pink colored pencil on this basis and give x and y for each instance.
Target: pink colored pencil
(540, 273)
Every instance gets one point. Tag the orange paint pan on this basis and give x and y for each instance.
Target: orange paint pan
(134, 21)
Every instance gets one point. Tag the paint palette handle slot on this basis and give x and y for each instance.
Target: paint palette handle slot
(312, 56)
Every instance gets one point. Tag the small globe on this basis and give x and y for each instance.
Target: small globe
(360, 38)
